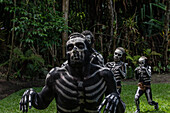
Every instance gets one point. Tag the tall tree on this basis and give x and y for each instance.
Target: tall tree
(12, 45)
(113, 19)
(166, 30)
(110, 7)
(65, 9)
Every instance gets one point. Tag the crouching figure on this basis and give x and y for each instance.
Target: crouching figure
(78, 87)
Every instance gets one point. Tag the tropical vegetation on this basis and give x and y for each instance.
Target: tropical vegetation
(33, 33)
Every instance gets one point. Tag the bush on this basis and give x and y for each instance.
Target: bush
(27, 65)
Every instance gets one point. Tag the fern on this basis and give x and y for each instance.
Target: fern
(134, 59)
(28, 64)
(148, 53)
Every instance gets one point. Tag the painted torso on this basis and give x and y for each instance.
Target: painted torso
(79, 96)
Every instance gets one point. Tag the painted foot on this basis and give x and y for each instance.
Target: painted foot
(156, 106)
(137, 111)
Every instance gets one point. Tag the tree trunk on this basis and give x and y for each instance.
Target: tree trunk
(166, 30)
(116, 27)
(65, 9)
(101, 43)
(110, 7)
(12, 45)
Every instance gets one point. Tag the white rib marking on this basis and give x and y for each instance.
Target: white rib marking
(66, 96)
(93, 86)
(69, 83)
(66, 88)
(96, 99)
(95, 92)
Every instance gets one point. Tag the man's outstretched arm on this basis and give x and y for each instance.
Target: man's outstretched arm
(112, 101)
(39, 100)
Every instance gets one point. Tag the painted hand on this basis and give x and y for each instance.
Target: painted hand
(110, 102)
(26, 100)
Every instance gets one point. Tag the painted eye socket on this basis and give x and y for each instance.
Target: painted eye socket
(119, 54)
(88, 37)
(80, 45)
(70, 47)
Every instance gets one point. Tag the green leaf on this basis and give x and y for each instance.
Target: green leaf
(157, 21)
(155, 53)
(129, 57)
(161, 6)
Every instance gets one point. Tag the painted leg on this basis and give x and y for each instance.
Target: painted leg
(119, 90)
(148, 95)
(138, 94)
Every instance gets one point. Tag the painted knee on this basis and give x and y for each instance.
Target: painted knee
(136, 98)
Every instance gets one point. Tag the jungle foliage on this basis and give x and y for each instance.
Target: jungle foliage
(31, 32)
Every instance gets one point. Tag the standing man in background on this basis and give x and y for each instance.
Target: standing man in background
(96, 58)
(143, 74)
(118, 67)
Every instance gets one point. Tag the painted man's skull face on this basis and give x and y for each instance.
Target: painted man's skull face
(76, 51)
(118, 55)
(88, 38)
(142, 61)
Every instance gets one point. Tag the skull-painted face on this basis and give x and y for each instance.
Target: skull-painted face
(118, 55)
(77, 51)
(142, 61)
(88, 38)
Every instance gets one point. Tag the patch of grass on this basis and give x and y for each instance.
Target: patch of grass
(160, 94)
(10, 104)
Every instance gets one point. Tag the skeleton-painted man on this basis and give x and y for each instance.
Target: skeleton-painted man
(118, 67)
(96, 58)
(78, 87)
(143, 73)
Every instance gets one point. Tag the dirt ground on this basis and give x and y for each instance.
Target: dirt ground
(9, 87)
